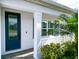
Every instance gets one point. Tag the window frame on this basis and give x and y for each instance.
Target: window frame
(47, 28)
(57, 30)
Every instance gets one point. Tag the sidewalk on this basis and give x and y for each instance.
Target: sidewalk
(27, 54)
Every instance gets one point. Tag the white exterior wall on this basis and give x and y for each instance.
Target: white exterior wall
(48, 17)
(26, 26)
(26, 6)
(56, 39)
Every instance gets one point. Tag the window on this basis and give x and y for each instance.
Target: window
(47, 28)
(44, 28)
(54, 28)
(50, 28)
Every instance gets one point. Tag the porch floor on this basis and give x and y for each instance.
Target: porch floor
(26, 54)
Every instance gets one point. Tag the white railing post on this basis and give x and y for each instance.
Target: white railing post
(0, 32)
(37, 32)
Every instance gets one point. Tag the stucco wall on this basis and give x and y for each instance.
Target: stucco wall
(48, 17)
(26, 26)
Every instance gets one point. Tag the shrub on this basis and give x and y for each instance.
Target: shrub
(45, 52)
(56, 51)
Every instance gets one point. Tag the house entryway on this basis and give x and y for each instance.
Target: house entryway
(17, 34)
(26, 54)
(18, 31)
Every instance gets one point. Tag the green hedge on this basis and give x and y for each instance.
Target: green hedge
(66, 50)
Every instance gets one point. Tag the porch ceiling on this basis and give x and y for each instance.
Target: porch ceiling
(52, 5)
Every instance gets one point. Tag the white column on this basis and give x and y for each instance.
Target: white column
(0, 32)
(37, 32)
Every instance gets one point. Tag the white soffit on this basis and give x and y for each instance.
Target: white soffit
(57, 4)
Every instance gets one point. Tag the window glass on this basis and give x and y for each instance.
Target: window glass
(56, 32)
(50, 31)
(63, 29)
(63, 32)
(44, 24)
(56, 26)
(44, 32)
(50, 24)
(12, 27)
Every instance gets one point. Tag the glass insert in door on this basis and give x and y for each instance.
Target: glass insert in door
(12, 27)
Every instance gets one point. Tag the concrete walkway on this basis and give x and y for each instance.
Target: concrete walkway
(27, 54)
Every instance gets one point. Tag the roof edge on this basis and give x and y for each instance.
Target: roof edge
(56, 6)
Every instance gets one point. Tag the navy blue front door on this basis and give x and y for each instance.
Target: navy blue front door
(12, 31)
